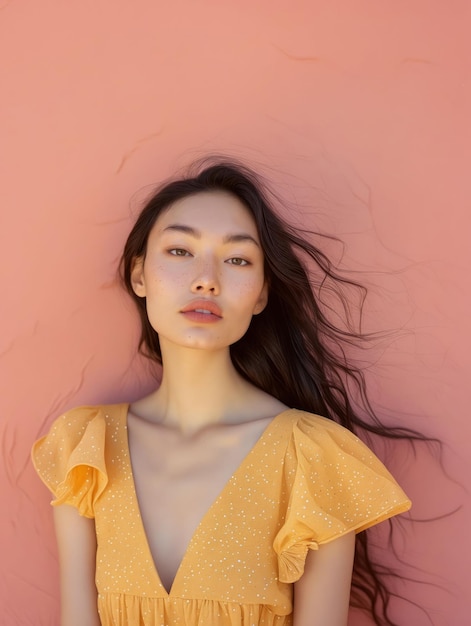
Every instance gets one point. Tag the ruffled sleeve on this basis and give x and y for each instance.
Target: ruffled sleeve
(336, 484)
(70, 460)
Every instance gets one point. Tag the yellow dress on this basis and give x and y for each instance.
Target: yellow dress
(305, 482)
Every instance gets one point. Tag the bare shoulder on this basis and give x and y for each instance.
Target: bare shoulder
(257, 405)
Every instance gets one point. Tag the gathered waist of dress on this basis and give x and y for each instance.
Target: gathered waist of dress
(127, 610)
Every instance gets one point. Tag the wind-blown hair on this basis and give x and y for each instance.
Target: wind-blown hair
(293, 350)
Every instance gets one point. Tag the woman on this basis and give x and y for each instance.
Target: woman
(213, 499)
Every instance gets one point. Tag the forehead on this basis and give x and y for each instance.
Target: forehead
(211, 212)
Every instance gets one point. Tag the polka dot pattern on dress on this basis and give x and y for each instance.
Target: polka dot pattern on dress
(305, 482)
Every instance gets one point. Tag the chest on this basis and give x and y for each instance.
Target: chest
(177, 480)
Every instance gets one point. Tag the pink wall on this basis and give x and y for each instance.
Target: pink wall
(360, 110)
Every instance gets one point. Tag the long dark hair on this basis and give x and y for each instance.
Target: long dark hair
(293, 350)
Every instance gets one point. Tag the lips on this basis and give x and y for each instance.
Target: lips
(203, 308)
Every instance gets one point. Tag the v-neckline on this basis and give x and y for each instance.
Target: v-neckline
(201, 523)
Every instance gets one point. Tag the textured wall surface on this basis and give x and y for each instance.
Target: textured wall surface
(359, 112)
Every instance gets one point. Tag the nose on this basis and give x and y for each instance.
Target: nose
(207, 279)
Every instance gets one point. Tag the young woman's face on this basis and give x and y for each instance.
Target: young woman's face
(202, 275)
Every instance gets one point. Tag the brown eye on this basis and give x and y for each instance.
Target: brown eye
(179, 252)
(238, 261)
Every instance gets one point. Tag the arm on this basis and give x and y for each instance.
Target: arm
(76, 542)
(322, 594)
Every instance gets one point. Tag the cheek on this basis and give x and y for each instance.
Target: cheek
(248, 292)
(163, 281)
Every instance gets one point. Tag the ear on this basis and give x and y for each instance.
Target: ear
(137, 277)
(262, 300)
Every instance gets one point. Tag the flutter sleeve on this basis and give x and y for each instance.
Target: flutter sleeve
(337, 485)
(70, 460)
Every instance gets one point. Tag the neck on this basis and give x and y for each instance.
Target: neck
(199, 388)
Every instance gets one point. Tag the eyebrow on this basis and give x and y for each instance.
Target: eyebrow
(231, 238)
